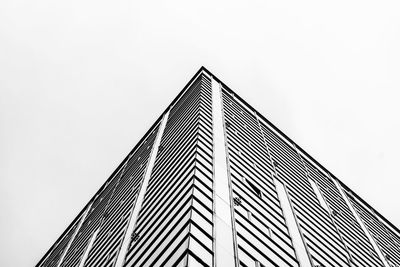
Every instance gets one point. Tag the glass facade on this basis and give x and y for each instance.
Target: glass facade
(207, 187)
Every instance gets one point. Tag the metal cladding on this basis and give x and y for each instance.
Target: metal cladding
(214, 183)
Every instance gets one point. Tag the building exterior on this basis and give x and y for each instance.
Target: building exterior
(214, 183)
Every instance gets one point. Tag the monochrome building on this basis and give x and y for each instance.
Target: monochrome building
(214, 183)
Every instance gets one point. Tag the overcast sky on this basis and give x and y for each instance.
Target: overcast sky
(81, 81)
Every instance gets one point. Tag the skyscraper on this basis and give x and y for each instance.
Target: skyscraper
(214, 183)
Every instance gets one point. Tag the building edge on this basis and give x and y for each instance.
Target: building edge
(182, 91)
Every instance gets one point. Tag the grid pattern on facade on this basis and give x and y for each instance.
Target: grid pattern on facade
(55, 254)
(330, 239)
(360, 251)
(105, 249)
(106, 213)
(387, 239)
(323, 243)
(262, 235)
(90, 225)
(175, 224)
(106, 216)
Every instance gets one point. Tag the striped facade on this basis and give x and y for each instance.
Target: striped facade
(214, 183)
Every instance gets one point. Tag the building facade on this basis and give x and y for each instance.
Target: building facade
(214, 183)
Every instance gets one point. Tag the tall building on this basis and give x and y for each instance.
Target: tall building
(214, 183)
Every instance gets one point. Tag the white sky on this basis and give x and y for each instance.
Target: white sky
(81, 81)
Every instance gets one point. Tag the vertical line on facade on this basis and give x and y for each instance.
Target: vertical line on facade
(313, 183)
(294, 229)
(323, 203)
(288, 213)
(361, 223)
(88, 248)
(74, 235)
(136, 208)
(225, 252)
(317, 192)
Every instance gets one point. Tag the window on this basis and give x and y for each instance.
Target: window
(237, 201)
(276, 164)
(255, 189)
(135, 237)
